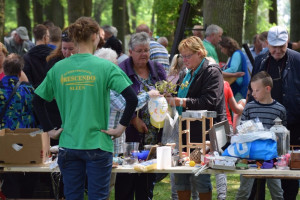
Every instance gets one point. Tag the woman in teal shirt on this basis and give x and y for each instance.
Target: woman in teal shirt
(237, 63)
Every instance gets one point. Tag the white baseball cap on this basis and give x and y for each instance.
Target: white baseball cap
(277, 36)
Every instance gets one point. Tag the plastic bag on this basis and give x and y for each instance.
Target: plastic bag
(170, 130)
(260, 145)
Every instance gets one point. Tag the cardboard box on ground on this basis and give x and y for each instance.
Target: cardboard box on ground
(24, 146)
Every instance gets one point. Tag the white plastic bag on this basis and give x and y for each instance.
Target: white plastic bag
(170, 130)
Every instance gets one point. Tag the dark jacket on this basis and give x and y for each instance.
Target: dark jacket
(35, 66)
(206, 93)
(157, 73)
(290, 81)
(49, 117)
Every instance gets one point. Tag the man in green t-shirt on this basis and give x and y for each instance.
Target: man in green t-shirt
(213, 35)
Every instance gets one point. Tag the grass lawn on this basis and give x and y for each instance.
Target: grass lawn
(162, 190)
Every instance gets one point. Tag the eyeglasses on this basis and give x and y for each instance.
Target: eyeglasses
(142, 51)
(187, 56)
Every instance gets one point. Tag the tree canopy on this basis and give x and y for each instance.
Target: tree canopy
(240, 19)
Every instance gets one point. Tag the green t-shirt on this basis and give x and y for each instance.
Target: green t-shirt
(211, 50)
(81, 86)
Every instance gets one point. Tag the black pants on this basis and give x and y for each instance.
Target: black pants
(139, 185)
(19, 185)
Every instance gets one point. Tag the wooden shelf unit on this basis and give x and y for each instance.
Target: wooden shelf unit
(188, 144)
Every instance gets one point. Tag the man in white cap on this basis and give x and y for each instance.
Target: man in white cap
(283, 66)
(17, 44)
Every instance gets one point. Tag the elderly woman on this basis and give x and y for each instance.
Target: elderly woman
(204, 91)
(236, 63)
(144, 74)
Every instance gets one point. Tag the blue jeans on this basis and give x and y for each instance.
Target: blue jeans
(76, 164)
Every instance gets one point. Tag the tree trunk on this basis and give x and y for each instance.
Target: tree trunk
(54, 12)
(133, 15)
(97, 11)
(250, 20)
(23, 19)
(273, 12)
(75, 10)
(295, 18)
(37, 12)
(226, 14)
(87, 8)
(153, 20)
(119, 18)
(2, 19)
(99, 7)
(127, 27)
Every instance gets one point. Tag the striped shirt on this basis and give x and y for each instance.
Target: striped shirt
(266, 113)
(159, 53)
(117, 107)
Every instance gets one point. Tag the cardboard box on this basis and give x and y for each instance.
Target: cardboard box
(24, 146)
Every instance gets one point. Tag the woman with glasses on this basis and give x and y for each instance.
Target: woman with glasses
(236, 63)
(143, 73)
(203, 90)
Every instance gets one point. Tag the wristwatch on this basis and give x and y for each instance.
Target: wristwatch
(180, 102)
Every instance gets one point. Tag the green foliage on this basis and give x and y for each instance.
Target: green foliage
(167, 14)
(144, 12)
(10, 16)
(262, 16)
(106, 15)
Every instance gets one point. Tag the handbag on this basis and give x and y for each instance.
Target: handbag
(9, 99)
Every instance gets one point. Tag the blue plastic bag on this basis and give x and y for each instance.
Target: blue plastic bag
(258, 149)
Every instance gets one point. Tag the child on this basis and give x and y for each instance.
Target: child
(231, 103)
(266, 109)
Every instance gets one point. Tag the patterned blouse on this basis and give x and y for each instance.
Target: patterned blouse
(19, 113)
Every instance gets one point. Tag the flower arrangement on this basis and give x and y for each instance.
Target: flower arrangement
(167, 87)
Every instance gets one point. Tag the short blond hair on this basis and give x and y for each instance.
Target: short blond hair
(194, 44)
(3, 49)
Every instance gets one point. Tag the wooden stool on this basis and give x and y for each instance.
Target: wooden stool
(190, 116)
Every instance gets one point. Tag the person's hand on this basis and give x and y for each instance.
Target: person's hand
(171, 100)
(242, 102)
(139, 125)
(239, 74)
(55, 134)
(154, 93)
(115, 133)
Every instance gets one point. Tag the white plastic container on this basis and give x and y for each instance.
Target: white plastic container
(164, 157)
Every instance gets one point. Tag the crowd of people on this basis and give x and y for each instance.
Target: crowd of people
(91, 97)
